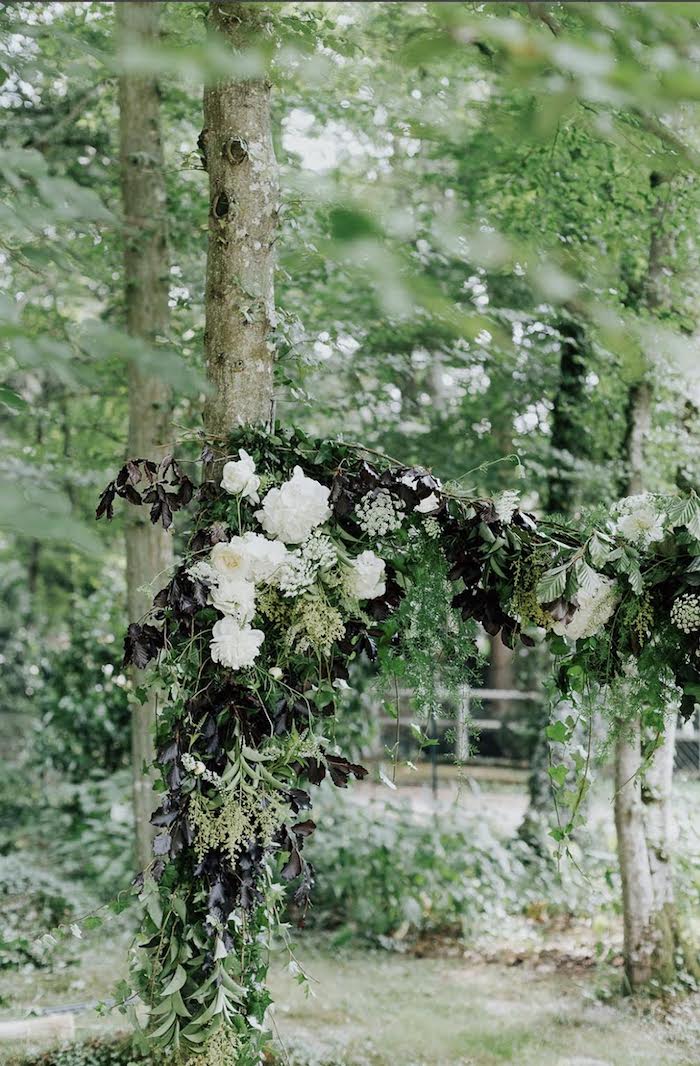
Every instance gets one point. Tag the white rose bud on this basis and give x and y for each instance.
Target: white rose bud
(239, 477)
(368, 576)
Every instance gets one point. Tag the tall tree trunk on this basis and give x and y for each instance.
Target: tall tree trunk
(653, 943)
(146, 276)
(243, 213)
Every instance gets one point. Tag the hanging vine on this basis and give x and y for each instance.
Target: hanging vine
(302, 557)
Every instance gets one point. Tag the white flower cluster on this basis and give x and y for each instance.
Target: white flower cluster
(639, 520)
(379, 513)
(302, 567)
(685, 613)
(197, 767)
(596, 605)
(290, 515)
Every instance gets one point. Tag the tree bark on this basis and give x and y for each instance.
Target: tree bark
(654, 946)
(243, 212)
(146, 282)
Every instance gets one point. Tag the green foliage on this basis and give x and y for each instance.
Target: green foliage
(81, 690)
(441, 875)
(120, 1052)
(32, 901)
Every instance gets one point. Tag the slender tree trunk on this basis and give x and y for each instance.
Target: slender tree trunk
(243, 213)
(146, 274)
(654, 947)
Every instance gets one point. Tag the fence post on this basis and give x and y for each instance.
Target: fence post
(462, 738)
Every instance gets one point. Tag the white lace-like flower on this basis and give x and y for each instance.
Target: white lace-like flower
(638, 520)
(595, 607)
(379, 513)
(685, 613)
(301, 568)
(234, 596)
(367, 576)
(290, 512)
(203, 571)
(234, 645)
(505, 505)
(198, 768)
(428, 505)
(239, 477)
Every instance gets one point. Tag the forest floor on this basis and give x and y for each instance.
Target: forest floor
(373, 1008)
(529, 993)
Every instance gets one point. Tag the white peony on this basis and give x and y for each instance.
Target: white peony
(234, 645)
(290, 512)
(639, 520)
(240, 479)
(430, 503)
(234, 596)
(265, 557)
(367, 576)
(596, 607)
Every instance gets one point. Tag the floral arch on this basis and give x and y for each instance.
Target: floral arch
(304, 555)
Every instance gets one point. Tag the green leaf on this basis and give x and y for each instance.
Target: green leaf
(176, 982)
(599, 549)
(557, 732)
(558, 774)
(552, 584)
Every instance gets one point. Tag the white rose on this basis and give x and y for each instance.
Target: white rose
(430, 503)
(239, 477)
(265, 557)
(234, 645)
(292, 511)
(595, 608)
(229, 558)
(368, 576)
(234, 596)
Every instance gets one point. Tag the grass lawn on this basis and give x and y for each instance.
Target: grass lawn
(373, 1008)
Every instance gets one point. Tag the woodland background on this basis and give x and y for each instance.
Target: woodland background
(488, 248)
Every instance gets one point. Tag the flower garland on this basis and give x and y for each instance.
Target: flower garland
(304, 555)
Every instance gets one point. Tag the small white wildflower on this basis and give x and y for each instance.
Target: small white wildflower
(505, 505)
(202, 571)
(432, 528)
(276, 672)
(379, 513)
(685, 613)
